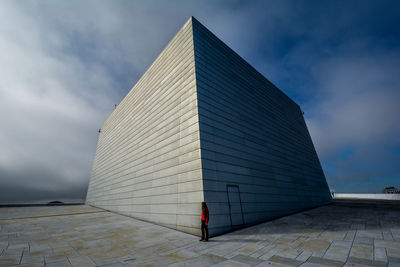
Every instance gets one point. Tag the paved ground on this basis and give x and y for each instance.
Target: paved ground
(333, 235)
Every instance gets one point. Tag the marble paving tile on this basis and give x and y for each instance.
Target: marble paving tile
(83, 236)
(363, 252)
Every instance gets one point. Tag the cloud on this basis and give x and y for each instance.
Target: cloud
(357, 108)
(65, 64)
(51, 103)
(359, 102)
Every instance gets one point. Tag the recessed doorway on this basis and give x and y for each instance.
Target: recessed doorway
(235, 205)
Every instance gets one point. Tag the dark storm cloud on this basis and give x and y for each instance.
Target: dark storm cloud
(38, 184)
(65, 64)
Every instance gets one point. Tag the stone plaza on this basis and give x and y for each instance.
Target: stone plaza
(340, 234)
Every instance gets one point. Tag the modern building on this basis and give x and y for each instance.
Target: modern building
(201, 124)
(390, 190)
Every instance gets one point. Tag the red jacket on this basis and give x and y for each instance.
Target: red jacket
(205, 216)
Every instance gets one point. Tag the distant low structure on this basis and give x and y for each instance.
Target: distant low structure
(333, 192)
(55, 203)
(367, 196)
(203, 125)
(390, 190)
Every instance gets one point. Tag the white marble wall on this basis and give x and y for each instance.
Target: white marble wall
(147, 163)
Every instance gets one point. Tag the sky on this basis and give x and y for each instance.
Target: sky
(65, 64)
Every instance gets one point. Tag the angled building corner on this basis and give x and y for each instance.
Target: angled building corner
(147, 163)
(258, 159)
(203, 125)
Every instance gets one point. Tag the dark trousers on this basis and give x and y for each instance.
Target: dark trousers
(204, 230)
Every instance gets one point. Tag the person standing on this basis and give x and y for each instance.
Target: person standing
(204, 222)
